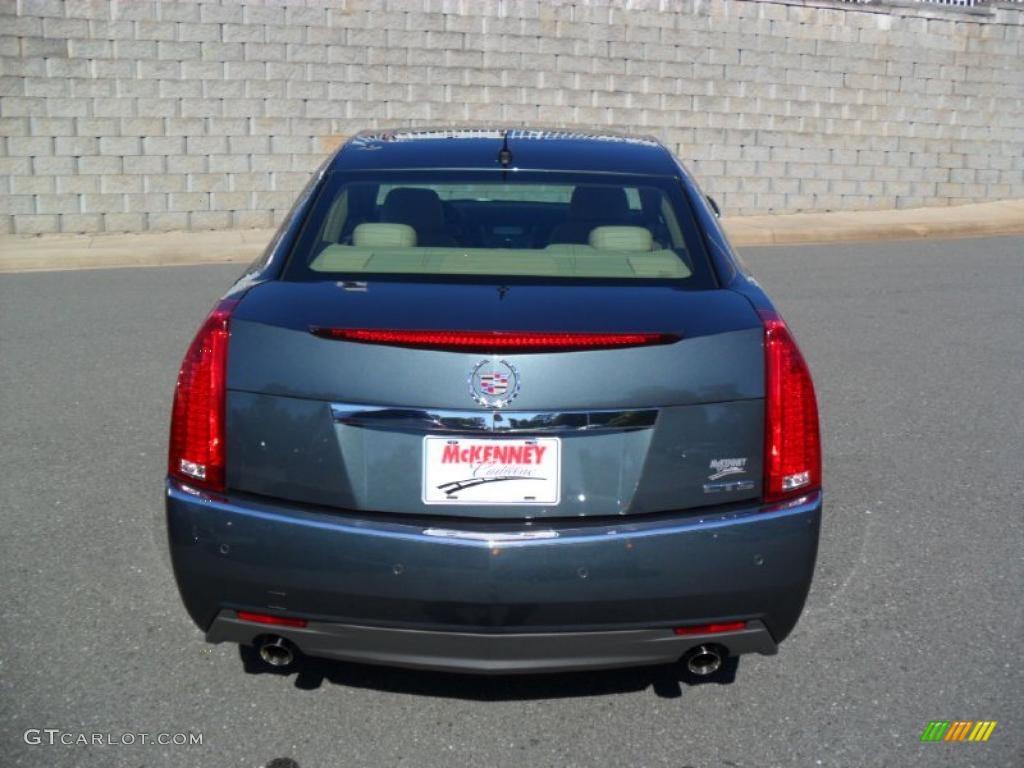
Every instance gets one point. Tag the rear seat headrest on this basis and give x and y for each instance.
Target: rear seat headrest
(621, 239)
(384, 235)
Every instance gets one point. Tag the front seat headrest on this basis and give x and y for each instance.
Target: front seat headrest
(599, 203)
(419, 208)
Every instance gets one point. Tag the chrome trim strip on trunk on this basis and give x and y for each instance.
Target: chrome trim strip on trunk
(503, 422)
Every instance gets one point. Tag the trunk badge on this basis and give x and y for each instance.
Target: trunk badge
(494, 383)
(725, 467)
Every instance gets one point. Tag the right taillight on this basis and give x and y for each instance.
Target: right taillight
(792, 443)
(196, 452)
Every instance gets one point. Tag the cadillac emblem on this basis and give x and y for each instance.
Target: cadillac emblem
(494, 383)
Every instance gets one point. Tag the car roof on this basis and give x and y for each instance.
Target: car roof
(543, 149)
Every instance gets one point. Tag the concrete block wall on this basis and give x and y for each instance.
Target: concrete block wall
(133, 115)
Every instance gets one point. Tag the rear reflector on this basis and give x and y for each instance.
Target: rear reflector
(792, 445)
(494, 341)
(265, 618)
(196, 453)
(710, 629)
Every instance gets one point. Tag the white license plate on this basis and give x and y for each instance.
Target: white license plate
(462, 470)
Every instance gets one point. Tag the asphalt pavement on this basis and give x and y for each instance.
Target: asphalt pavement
(915, 615)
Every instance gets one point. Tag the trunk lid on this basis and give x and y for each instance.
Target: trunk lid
(356, 426)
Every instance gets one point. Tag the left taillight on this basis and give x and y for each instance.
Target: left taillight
(196, 453)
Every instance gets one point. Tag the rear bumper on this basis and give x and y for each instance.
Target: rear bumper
(488, 653)
(411, 593)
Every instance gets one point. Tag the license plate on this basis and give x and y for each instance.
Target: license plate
(461, 470)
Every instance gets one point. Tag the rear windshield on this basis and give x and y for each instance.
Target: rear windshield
(500, 226)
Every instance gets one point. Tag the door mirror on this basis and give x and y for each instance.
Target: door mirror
(714, 206)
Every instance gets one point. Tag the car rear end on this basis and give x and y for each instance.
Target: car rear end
(487, 446)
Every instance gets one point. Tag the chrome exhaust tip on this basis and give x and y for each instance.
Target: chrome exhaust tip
(276, 652)
(704, 660)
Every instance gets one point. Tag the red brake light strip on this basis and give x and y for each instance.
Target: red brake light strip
(494, 341)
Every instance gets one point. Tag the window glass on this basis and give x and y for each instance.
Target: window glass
(520, 226)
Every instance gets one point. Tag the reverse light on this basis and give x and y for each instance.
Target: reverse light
(494, 341)
(266, 618)
(196, 453)
(711, 629)
(792, 444)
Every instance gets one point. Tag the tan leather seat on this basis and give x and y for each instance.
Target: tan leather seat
(631, 239)
(384, 235)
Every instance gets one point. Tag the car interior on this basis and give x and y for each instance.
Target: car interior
(513, 229)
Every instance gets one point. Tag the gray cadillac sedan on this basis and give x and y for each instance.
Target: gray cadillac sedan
(496, 401)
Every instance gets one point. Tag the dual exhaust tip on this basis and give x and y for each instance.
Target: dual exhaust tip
(276, 652)
(704, 660)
